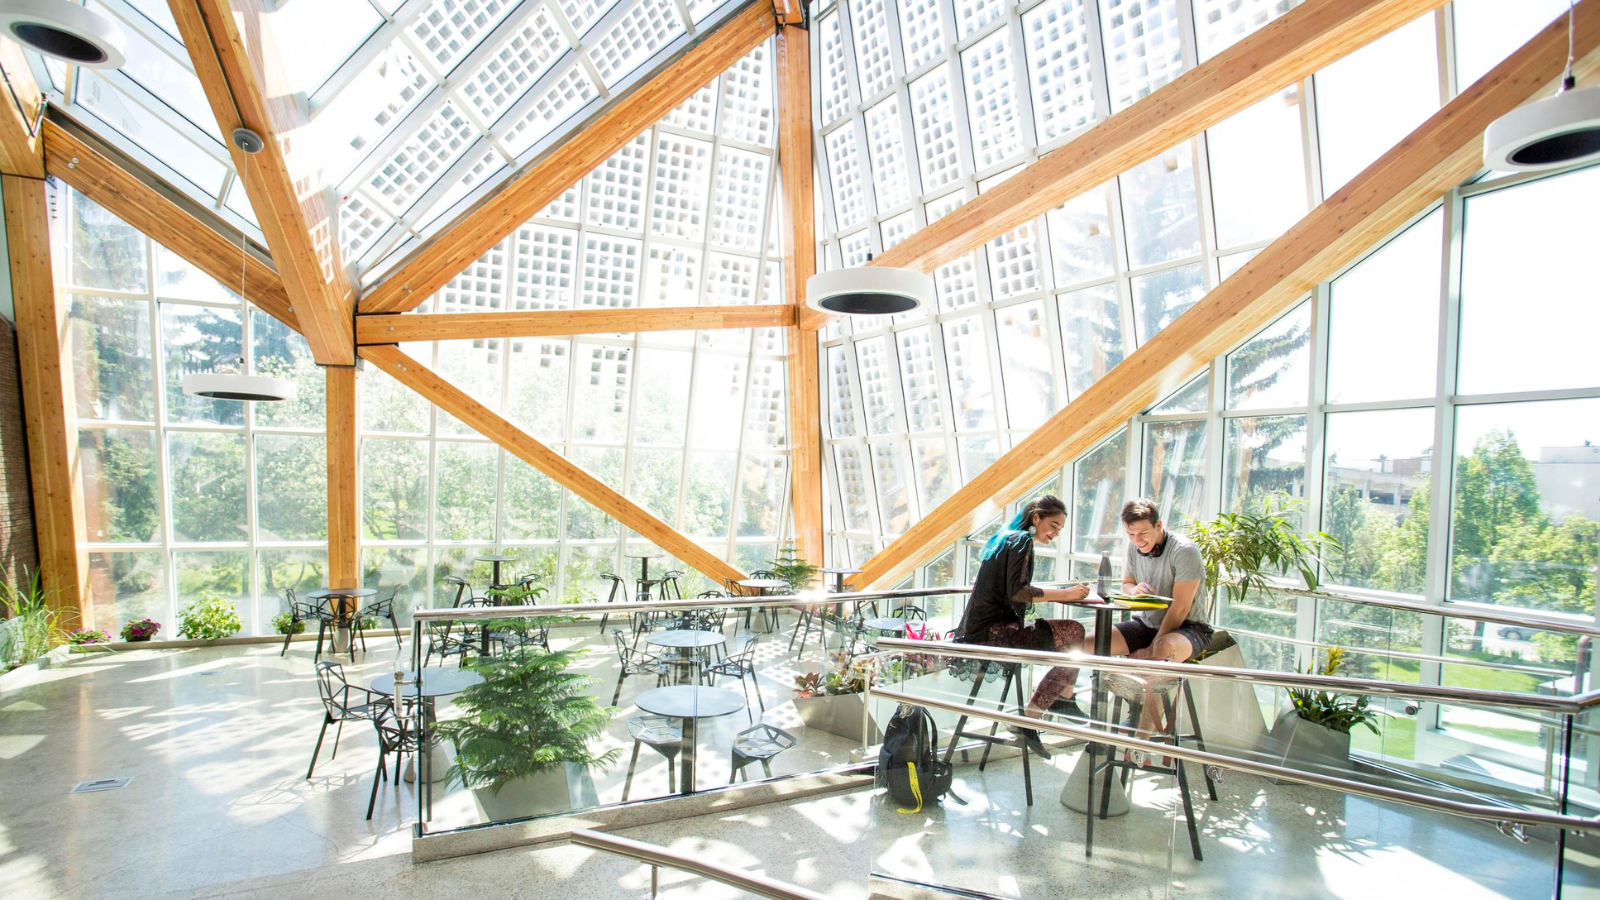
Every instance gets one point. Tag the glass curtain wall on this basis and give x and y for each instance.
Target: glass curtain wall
(1399, 387)
(693, 426)
(185, 497)
(188, 498)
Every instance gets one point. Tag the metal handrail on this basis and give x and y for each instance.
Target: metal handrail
(657, 856)
(1501, 816)
(825, 597)
(1538, 623)
(808, 598)
(1339, 684)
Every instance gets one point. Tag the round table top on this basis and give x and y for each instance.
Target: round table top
(643, 555)
(492, 557)
(885, 623)
(437, 681)
(684, 638)
(762, 583)
(839, 570)
(689, 701)
(323, 593)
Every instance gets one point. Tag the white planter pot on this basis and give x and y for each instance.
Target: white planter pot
(552, 791)
(839, 714)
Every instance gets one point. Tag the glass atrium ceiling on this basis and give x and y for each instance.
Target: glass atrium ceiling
(414, 106)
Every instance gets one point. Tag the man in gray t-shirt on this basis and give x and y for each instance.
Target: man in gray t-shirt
(1166, 564)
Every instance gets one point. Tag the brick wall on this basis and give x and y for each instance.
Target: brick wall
(17, 542)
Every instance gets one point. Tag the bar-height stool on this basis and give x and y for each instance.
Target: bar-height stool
(1134, 689)
(1013, 677)
(617, 587)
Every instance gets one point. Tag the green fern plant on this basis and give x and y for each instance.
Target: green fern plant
(530, 715)
(1339, 712)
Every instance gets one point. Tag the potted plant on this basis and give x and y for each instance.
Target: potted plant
(793, 569)
(140, 630)
(833, 702)
(284, 623)
(523, 741)
(85, 639)
(208, 619)
(30, 627)
(1242, 553)
(1315, 730)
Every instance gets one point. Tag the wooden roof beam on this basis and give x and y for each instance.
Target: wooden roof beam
(563, 471)
(395, 329)
(21, 145)
(445, 255)
(243, 77)
(129, 197)
(1442, 153)
(796, 166)
(1280, 53)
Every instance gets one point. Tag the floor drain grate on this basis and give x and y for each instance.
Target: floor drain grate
(101, 784)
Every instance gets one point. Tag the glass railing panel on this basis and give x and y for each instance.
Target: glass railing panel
(987, 835)
(1265, 834)
(594, 705)
(1579, 876)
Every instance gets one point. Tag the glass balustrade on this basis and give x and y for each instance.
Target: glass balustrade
(1241, 819)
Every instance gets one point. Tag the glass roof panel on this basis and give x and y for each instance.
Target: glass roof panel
(417, 108)
(315, 37)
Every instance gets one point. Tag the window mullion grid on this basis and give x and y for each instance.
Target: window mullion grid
(1100, 86)
(1112, 193)
(941, 380)
(862, 439)
(163, 469)
(1206, 211)
(1441, 482)
(1444, 33)
(1306, 608)
(384, 36)
(897, 398)
(565, 503)
(1022, 87)
(958, 108)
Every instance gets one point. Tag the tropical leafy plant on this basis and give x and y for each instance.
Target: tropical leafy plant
(140, 629)
(530, 715)
(80, 637)
(208, 619)
(1340, 712)
(1242, 551)
(793, 569)
(32, 623)
(848, 676)
(283, 623)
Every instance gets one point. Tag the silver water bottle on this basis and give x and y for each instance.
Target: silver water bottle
(1103, 585)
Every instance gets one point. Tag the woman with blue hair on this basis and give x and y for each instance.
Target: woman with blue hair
(1002, 592)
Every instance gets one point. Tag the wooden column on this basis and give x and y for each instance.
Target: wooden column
(344, 486)
(47, 396)
(799, 264)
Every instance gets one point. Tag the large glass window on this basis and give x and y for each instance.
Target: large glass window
(1401, 67)
(1377, 473)
(1395, 291)
(1530, 327)
(1099, 479)
(1526, 522)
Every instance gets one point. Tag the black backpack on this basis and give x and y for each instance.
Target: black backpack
(909, 764)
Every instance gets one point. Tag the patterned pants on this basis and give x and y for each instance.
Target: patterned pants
(1043, 634)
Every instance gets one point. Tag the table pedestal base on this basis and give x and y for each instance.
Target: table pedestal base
(1076, 796)
(438, 764)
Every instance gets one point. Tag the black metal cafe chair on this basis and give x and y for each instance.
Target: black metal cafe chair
(342, 702)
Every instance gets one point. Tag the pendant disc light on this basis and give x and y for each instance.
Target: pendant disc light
(233, 385)
(1563, 130)
(869, 290)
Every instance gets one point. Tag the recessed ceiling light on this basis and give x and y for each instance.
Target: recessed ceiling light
(869, 290)
(64, 30)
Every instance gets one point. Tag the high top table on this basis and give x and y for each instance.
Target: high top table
(495, 559)
(690, 703)
(761, 586)
(345, 610)
(641, 588)
(687, 641)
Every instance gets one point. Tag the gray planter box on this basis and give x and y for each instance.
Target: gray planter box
(840, 714)
(552, 791)
(1299, 744)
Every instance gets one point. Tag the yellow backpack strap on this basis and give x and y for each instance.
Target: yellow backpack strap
(916, 790)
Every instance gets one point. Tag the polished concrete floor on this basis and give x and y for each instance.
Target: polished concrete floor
(217, 740)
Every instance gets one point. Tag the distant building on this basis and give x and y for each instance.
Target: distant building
(1388, 484)
(1569, 481)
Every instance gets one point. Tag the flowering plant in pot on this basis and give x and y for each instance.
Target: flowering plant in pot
(832, 701)
(140, 629)
(84, 637)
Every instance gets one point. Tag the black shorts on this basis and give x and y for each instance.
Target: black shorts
(1139, 634)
